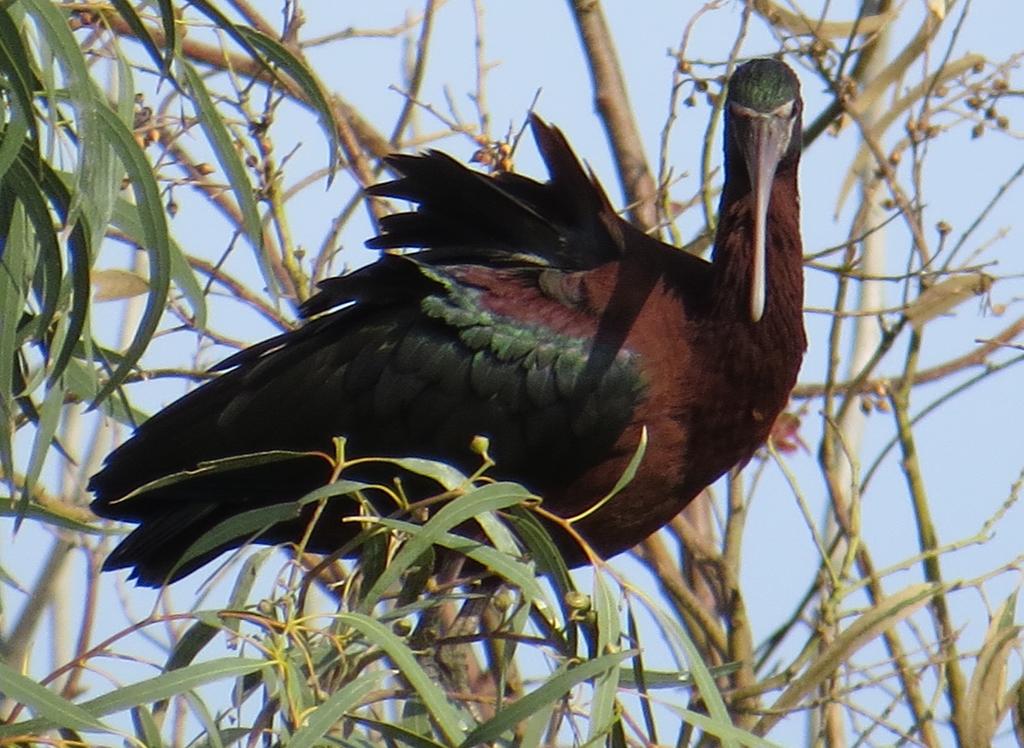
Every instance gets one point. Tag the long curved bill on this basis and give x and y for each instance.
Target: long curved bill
(766, 142)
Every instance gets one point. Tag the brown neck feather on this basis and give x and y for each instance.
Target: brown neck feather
(733, 254)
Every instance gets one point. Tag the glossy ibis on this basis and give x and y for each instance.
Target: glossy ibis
(532, 314)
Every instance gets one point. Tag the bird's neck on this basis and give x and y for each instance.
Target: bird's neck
(733, 256)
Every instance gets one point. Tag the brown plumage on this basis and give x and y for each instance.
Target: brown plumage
(533, 315)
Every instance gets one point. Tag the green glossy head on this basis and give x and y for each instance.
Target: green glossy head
(763, 85)
(762, 131)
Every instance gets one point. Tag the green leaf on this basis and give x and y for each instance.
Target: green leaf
(81, 381)
(880, 617)
(398, 651)
(221, 465)
(639, 673)
(173, 682)
(144, 692)
(227, 156)
(320, 720)
(141, 33)
(984, 701)
(18, 251)
(279, 55)
(249, 525)
(253, 523)
(21, 80)
(271, 52)
(51, 708)
(157, 243)
(45, 435)
(678, 639)
(446, 475)
(146, 729)
(126, 219)
(602, 706)
(171, 40)
(723, 729)
(549, 561)
(51, 516)
(517, 573)
(396, 733)
(489, 498)
(550, 691)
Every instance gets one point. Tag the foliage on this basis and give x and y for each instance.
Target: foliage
(119, 117)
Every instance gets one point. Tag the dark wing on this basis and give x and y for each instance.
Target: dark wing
(422, 356)
(466, 216)
(420, 377)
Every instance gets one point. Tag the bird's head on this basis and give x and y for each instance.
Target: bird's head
(762, 113)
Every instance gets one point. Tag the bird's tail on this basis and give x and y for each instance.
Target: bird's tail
(465, 216)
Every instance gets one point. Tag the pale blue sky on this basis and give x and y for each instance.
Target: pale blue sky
(970, 450)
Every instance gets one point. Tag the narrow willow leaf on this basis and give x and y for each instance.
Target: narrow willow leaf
(202, 712)
(154, 228)
(272, 52)
(400, 735)
(983, 704)
(52, 710)
(224, 150)
(279, 55)
(639, 672)
(446, 475)
(515, 572)
(172, 683)
(37, 184)
(146, 729)
(490, 498)
(545, 554)
(679, 639)
(45, 435)
(87, 100)
(81, 381)
(224, 736)
(880, 617)
(247, 526)
(126, 219)
(252, 524)
(945, 296)
(403, 658)
(115, 284)
(499, 534)
(624, 480)
(724, 730)
(15, 62)
(606, 685)
(536, 726)
(37, 188)
(801, 25)
(79, 254)
(542, 549)
(18, 254)
(213, 467)
(320, 720)
(103, 191)
(554, 688)
(171, 39)
(192, 642)
(68, 518)
(141, 33)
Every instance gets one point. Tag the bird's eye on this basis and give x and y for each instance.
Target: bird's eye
(742, 111)
(782, 112)
(785, 111)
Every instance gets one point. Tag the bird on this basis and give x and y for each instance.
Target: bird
(530, 313)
